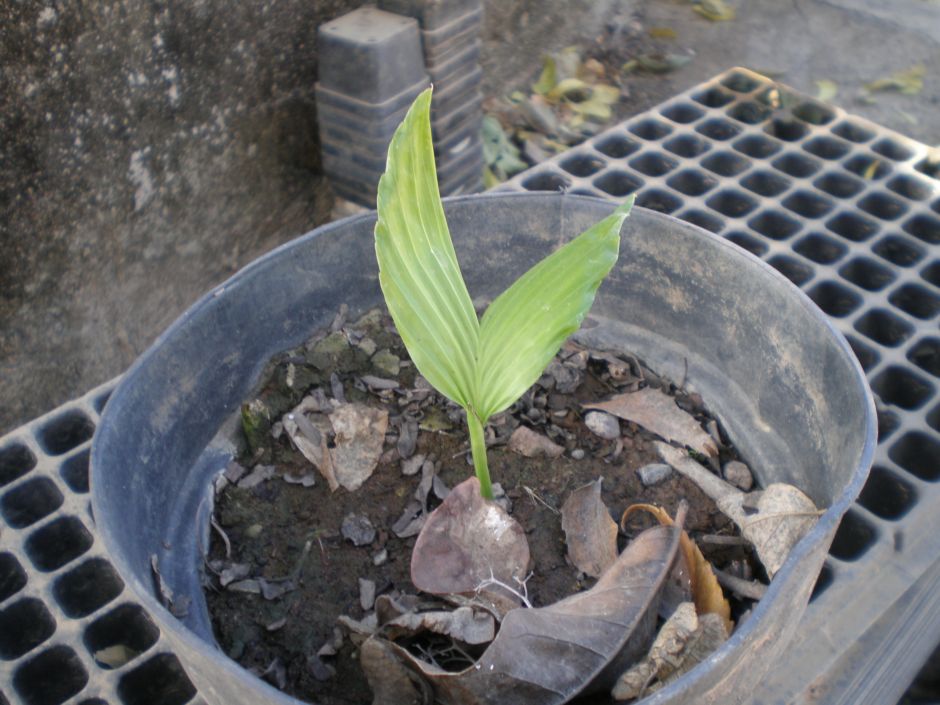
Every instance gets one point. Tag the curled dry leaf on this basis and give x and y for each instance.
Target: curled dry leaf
(684, 640)
(658, 413)
(781, 514)
(707, 593)
(391, 682)
(590, 533)
(359, 434)
(463, 624)
(466, 541)
(548, 655)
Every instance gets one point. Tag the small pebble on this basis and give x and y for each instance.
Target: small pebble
(380, 558)
(254, 531)
(578, 454)
(654, 473)
(603, 424)
(366, 594)
(739, 475)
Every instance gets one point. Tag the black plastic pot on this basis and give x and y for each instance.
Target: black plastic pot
(783, 382)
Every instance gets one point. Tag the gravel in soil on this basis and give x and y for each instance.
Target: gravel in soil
(287, 553)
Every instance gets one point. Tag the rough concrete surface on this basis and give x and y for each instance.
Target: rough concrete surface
(149, 149)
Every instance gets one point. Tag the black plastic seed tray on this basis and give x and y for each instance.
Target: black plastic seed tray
(846, 209)
(448, 72)
(438, 43)
(850, 212)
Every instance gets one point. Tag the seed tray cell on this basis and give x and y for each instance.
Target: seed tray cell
(877, 277)
(850, 212)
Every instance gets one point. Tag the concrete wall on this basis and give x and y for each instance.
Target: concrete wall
(149, 149)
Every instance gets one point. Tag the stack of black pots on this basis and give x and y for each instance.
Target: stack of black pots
(373, 64)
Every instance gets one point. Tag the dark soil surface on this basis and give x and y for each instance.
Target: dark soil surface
(269, 525)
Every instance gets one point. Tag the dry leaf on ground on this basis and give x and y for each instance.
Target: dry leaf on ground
(683, 641)
(707, 593)
(360, 435)
(590, 533)
(658, 413)
(783, 513)
(466, 541)
(714, 10)
(464, 624)
(547, 655)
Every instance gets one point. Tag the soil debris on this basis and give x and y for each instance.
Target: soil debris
(590, 533)
(658, 413)
(358, 529)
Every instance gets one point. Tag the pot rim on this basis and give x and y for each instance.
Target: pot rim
(826, 523)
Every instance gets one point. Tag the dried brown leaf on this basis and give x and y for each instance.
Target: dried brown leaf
(783, 513)
(707, 593)
(360, 435)
(548, 655)
(590, 533)
(466, 541)
(463, 624)
(658, 413)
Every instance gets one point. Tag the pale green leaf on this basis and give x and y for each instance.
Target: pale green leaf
(526, 325)
(593, 110)
(826, 90)
(909, 82)
(570, 88)
(418, 269)
(605, 93)
(548, 78)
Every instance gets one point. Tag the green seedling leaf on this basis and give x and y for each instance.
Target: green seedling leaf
(482, 366)
(418, 269)
(525, 326)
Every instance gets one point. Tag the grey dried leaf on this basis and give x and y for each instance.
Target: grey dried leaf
(234, 472)
(410, 466)
(250, 586)
(411, 520)
(275, 589)
(590, 532)
(358, 529)
(379, 383)
(304, 480)
(236, 571)
(531, 444)
(319, 669)
(657, 412)
(463, 624)
(364, 627)
(260, 474)
(408, 438)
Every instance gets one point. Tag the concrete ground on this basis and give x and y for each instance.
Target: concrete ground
(147, 153)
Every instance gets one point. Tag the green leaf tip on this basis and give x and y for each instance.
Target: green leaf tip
(483, 366)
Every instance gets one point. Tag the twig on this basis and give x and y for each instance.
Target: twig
(718, 540)
(493, 581)
(750, 589)
(228, 544)
(533, 495)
